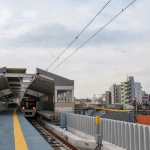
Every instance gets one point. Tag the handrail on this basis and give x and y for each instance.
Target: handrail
(108, 109)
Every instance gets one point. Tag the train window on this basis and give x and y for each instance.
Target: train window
(27, 105)
(22, 103)
(32, 104)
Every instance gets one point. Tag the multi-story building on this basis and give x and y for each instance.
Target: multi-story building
(138, 92)
(127, 90)
(103, 97)
(115, 94)
(124, 93)
(108, 97)
(118, 94)
(145, 96)
(123, 88)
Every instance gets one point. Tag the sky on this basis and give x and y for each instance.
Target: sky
(34, 33)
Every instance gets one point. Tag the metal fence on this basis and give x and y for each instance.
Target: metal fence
(129, 136)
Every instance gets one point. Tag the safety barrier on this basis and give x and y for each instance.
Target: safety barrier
(143, 119)
(130, 136)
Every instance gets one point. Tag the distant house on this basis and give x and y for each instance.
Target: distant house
(88, 102)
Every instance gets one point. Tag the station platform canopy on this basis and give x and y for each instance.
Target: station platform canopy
(16, 83)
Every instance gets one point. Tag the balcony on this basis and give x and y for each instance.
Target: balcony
(122, 84)
(127, 97)
(122, 90)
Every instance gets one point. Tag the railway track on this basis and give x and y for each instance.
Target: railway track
(57, 142)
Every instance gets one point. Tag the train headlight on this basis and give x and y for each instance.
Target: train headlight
(34, 108)
(22, 107)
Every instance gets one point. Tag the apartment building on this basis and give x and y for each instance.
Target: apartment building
(115, 91)
(118, 94)
(127, 90)
(113, 94)
(138, 92)
(108, 97)
(145, 96)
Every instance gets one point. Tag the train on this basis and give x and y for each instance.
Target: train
(28, 107)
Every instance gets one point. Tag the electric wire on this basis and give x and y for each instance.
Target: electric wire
(95, 34)
(79, 34)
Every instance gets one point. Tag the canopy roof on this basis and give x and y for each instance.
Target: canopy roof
(15, 82)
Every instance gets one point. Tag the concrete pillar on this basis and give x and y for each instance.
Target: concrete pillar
(60, 97)
(72, 96)
(63, 97)
(67, 96)
(53, 99)
(55, 95)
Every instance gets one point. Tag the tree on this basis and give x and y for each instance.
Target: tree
(121, 107)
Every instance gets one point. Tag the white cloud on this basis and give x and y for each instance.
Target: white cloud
(5, 16)
(34, 33)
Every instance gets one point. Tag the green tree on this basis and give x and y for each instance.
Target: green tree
(121, 107)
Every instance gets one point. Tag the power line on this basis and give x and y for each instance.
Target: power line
(95, 34)
(78, 34)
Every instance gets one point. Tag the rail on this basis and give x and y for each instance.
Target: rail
(52, 137)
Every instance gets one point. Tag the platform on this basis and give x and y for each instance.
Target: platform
(12, 126)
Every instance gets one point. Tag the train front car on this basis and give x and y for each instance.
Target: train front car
(28, 107)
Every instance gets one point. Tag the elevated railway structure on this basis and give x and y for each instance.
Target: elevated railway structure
(51, 91)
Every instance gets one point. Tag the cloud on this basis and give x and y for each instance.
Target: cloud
(56, 35)
(34, 33)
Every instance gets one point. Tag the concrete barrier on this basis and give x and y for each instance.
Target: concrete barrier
(129, 136)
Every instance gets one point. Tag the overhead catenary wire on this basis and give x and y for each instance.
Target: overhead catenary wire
(94, 34)
(79, 34)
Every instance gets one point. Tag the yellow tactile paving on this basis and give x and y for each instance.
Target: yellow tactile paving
(20, 142)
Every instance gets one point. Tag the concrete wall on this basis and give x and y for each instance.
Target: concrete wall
(78, 141)
(130, 136)
(95, 113)
(2, 106)
(64, 107)
(45, 103)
